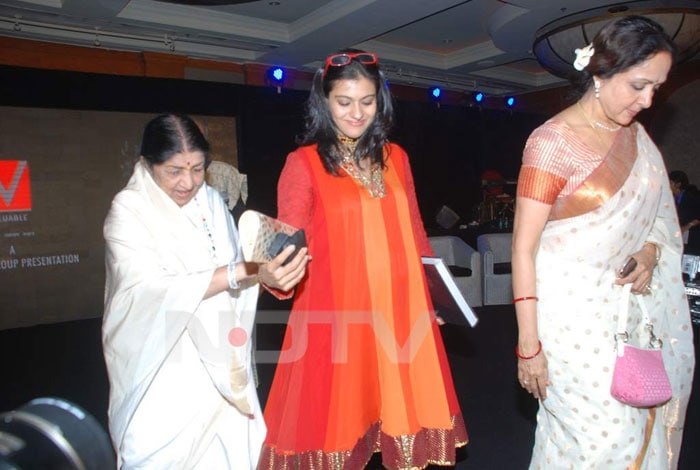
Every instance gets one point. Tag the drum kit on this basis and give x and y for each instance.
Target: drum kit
(497, 207)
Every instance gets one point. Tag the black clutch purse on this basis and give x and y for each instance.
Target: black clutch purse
(281, 241)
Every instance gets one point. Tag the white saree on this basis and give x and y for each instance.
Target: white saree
(181, 392)
(623, 203)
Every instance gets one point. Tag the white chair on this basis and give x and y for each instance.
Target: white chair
(464, 263)
(495, 250)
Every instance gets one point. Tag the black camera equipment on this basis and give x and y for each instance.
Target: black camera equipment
(53, 433)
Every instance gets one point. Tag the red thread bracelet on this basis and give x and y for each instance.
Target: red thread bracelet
(525, 358)
(527, 297)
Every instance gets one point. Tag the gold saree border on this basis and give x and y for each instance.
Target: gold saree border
(645, 445)
(604, 181)
(405, 452)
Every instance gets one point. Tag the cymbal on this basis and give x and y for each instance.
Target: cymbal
(489, 183)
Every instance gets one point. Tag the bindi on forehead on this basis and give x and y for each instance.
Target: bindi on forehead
(186, 166)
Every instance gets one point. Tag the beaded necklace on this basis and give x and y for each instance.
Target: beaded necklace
(593, 126)
(597, 124)
(607, 128)
(374, 183)
(205, 223)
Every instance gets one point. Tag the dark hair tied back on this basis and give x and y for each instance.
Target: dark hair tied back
(170, 134)
(622, 44)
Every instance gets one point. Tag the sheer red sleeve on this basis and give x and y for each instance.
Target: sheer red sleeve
(294, 192)
(417, 221)
(294, 201)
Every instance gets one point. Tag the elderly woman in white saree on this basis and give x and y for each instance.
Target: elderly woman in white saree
(592, 192)
(179, 310)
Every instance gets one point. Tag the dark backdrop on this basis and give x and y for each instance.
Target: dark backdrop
(449, 146)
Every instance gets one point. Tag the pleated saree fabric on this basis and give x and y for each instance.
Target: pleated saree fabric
(363, 367)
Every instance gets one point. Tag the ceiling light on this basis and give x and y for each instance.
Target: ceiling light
(554, 45)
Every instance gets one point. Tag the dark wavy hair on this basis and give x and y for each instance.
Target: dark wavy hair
(622, 44)
(320, 129)
(170, 134)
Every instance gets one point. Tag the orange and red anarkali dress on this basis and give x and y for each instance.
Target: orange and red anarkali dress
(363, 368)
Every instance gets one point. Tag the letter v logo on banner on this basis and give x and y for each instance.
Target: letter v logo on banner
(15, 192)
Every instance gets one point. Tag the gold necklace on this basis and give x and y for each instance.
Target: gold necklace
(374, 183)
(348, 141)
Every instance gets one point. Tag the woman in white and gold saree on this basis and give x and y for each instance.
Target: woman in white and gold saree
(592, 192)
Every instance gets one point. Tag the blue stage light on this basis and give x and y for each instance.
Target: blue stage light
(277, 74)
(435, 92)
(479, 97)
(510, 101)
(275, 77)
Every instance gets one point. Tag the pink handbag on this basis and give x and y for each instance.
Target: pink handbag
(639, 377)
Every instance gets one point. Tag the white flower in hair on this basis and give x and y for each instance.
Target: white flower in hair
(583, 57)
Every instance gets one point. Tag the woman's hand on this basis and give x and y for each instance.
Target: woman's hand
(533, 375)
(641, 276)
(284, 277)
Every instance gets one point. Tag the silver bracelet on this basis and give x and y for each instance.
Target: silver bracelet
(231, 274)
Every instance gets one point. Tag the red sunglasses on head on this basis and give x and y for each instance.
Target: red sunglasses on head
(344, 58)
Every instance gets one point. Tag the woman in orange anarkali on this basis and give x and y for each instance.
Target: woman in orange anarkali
(363, 368)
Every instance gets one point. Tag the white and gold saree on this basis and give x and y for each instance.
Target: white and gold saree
(603, 210)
